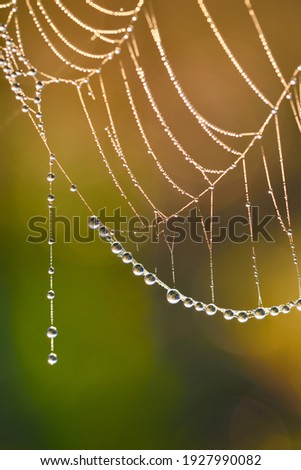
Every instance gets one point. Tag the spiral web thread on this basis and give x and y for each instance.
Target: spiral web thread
(15, 66)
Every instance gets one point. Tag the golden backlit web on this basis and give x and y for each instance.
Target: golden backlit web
(85, 51)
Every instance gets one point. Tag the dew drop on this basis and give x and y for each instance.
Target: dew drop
(150, 279)
(229, 314)
(93, 222)
(298, 305)
(286, 309)
(274, 311)
(173, 296)
(188, 302)
(51, 270)
(199, 306)
(103, 232)
(211, 309)
(127, 257)
(116, 248)
(50, 177)
(138, 269)
(260, 313)
(73, 188)
(242, 317)
(50, 295)
(52, 332)
(52, 359)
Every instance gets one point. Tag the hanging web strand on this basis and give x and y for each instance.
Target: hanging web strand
(10, 63)
(63, 38)
(97, 32)
(249, 210)
(205, 124)
(264, 43)
(142, 76)
(150, 151)
(231, 56)
(106, 11)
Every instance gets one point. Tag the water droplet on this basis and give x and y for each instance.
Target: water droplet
(116, 248)
(50, 177)
(211, 309)
(150, 279)
(127, 257)
(52, 157)
(138, 269)
(73, 188)
(51, 270)
(25, 108)
(199, 306)
(274, 311)
(93, 222)
(242, 317)
(50, 294)
(286, 309)
(103, 232)
(15, 87)
(52, 359)
(2, 28)
(229, 314)
(260, 313)
(188, 302)
(52, 332)
(173, 296)
(50, 241)
(289, 96)
(32, 72)
(39, 85)
(50, 198)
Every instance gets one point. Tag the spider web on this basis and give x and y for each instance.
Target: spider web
(86, 47)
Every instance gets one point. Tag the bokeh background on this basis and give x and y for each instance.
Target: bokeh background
(134, 372)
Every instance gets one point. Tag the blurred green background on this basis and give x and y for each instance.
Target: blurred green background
(134, 372)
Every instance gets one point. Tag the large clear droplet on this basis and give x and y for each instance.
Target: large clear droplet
(173, 296)
(188, 302)
(103, 232)
(52, 332)
(93, 222)
(229, 314)
(50, 294)
(138, 269)
(242, 317)
(298, 305)
(127, 257)
(150, 279)
(73, 188)
(286, 309)
(274, 311)
(199, 306)
(52, 359)
(50, 177)
(116, 248)
(211, 309)
(51, 270)
(260, 313)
